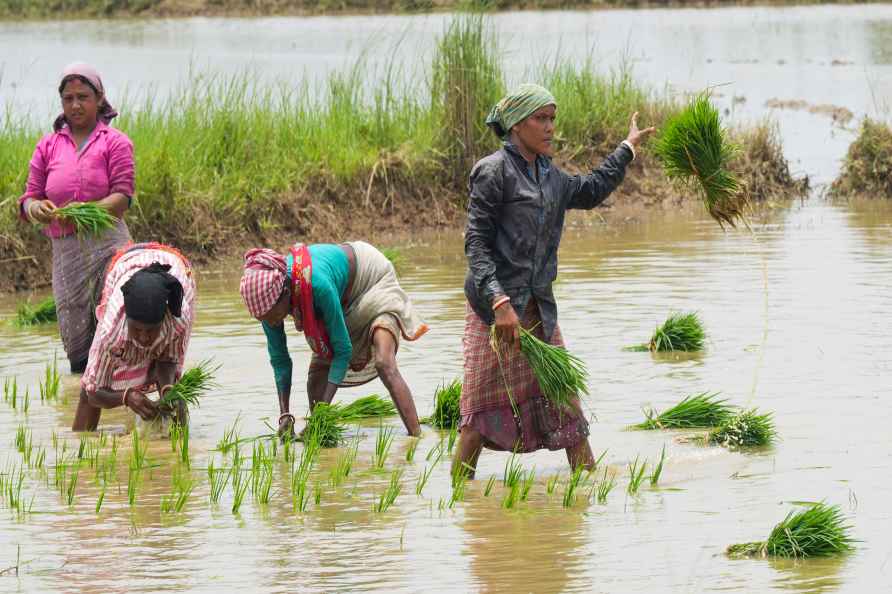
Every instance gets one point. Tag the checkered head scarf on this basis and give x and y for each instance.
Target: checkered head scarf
(262, 280)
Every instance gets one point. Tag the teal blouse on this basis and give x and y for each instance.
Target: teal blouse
(331, 270)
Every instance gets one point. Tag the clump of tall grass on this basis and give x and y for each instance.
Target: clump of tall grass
(31, 315)
(819, 531)
(867, 167)
(191, 386)
(561, 375)
(698, 411)
(466, 83)
(88, 218)
(366, 407)
(447, 406)
(324, 426)
(680, 332)
(748, 428)
(695, 149)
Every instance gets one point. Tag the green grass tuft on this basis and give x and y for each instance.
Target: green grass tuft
(447, 406)
(680, 332)
(699, 411)
(191, 386)
(745, 429)
(89, 218)
(819, 531)
(42, 313)
(694, 146)
(324, 426)
(366, 407)
(561, 375)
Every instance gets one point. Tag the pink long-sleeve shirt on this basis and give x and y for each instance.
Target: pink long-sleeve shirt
(61, 174)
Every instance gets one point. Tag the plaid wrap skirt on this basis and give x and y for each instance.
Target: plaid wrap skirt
(525, 421)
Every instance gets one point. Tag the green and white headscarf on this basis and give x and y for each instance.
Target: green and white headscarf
(517, 106)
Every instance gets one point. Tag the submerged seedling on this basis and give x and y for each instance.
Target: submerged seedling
(605, 486)
(410, 452)
(658, 469)
(422, 479)
(218, 478)
(636, 476)
(394, 487)
(572, 485)
(487, 490)
(383, 441)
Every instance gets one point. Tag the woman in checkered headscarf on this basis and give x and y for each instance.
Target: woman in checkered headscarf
(340, 296)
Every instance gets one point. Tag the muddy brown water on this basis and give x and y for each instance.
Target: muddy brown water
(797, 316)
(813, 350)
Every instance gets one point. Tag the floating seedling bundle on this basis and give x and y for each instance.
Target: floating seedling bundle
(447, 406)
(695, 149)
(88, 218)
(365, 408)
(43, 312)
(680, 332)
(819, 531)
(745, 429)
(702, 410)
(190, 387)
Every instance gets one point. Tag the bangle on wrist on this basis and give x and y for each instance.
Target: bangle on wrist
(286, 414)
(164, 389)
(500, 302)
(124, 397)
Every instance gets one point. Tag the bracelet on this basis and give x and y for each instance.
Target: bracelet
(164, 389)
(124, 397)
(500, 302)
(287, 414)
(628, 145)
(27, 208)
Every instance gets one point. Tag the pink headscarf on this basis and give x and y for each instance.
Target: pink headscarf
(262, 280)
(106, 112)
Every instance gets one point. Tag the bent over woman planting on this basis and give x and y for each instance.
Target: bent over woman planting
(348, 303)
(518, 199)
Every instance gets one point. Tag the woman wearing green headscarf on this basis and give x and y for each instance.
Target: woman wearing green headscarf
(518, 199)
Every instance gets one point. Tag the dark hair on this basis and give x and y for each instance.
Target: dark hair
(150, 292)
(83, 79)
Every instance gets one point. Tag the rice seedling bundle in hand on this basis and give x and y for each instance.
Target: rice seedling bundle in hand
(819, 531)
(680, 332)
(698, 411)
(694, 149)
(42, 313)
(447, 406)
(88, 218)
(561, 375)
(365, 408)
(747, 428)
(191, 386)
(324, 426)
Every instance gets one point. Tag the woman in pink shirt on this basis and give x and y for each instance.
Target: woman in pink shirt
(83, 160)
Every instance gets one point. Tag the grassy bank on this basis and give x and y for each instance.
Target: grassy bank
(225, 162)
(867, 168)
(55, 9)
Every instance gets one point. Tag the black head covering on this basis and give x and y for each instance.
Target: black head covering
(150, 292)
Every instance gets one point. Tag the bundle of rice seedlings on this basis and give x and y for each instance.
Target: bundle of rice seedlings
(700, 410)
(42, 313)
(191, 386)
(747, 428)
(324, 426)
(561, 375)
(365, 408)
(819, 531)
(447, 407)
(88, 217)
(680, 332)
(695, 149)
